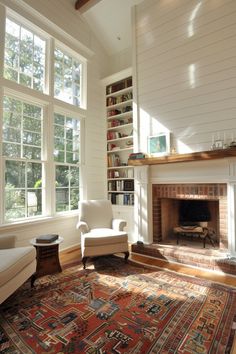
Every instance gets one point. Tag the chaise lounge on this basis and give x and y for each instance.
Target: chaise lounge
(17, 264)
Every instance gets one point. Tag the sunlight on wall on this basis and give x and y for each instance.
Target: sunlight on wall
(192, 75)
(151, 126)
(144, 130)
(182, 148)
(192, 18)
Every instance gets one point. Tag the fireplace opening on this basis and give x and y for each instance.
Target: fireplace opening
(190, 219)
(207, 202)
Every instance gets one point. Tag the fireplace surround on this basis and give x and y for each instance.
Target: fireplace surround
(214, 181)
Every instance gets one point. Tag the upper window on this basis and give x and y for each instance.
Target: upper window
(24, 60)
(22, 126)
(67, 78)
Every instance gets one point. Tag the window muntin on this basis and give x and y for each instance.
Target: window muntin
(24, 59)
(23, 190)
(66, 139)
(67, 78)
(67, 188)
(22, 129)
(22, 139)
(66, 156)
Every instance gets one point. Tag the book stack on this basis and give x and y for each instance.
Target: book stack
(47, 238)
(137, 155)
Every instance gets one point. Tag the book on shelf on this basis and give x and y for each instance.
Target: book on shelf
(137, 155)
(47, 238)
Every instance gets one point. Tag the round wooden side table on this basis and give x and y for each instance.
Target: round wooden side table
(47, 258)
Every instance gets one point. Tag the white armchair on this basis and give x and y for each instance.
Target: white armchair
(101, 234)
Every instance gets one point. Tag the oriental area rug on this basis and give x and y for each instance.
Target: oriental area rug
(113, 307)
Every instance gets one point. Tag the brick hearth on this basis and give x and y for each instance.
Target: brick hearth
(214, 260)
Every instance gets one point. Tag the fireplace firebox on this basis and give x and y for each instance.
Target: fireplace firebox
(184, 205)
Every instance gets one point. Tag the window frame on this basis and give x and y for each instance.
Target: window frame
(50, 105)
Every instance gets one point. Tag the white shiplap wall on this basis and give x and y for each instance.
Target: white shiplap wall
(186, 70)
(71, 26)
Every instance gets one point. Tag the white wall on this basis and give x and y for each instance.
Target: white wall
(186, 73)
(60, 19)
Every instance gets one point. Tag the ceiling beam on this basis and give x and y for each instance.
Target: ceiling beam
(84, 5)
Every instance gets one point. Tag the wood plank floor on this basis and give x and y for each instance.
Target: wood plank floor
(73, 254)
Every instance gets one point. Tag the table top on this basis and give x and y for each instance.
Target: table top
(56, 242)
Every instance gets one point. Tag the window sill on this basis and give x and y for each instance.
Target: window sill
(42, 220)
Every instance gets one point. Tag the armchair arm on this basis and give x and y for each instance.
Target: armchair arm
(82, 226)
(7, 241)
(118, 224)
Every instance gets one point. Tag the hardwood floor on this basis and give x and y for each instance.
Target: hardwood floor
(73, 254)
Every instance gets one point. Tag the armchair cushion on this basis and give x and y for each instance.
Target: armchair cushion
(7, 241)
(100, 237)
(11, 261)
(96, 213)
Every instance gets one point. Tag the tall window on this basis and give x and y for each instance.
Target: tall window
(66, 156)
(24, 56)
(67, 78)
(31, 122)
(22, 140)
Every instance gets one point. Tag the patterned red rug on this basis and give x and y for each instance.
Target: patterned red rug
(114, 307)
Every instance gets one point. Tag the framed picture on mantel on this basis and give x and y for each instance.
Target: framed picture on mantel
(159, 145)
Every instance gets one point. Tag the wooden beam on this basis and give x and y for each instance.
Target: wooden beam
(80, 3)
(194, 156)
(84, 5)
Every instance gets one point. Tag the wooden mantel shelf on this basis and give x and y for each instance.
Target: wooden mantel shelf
(194, 156)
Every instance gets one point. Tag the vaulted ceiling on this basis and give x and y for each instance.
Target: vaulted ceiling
(110, 20)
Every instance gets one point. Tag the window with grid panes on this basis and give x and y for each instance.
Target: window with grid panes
(24, 146)
(22, 150)
(66, 157)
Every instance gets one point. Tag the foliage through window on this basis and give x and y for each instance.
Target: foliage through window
(66, 156)
(22, 129)
(67, 78)
(24, 60)
(22, 135)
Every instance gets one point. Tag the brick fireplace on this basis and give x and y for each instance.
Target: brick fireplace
(166, 201)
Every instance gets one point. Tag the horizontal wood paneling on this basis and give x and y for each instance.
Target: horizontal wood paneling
(186, 70)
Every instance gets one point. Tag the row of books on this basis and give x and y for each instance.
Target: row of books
(115, 112)
(113, 135)
(118, 122)
(113, 160)
(119, 86)
(121, 199)
(121, 185)
(126, 173)
(119, 99)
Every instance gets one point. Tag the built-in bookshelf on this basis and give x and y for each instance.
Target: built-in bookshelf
(119, 117)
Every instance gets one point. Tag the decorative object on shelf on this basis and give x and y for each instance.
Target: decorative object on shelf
(219, 144)
(129, 185)
(159, 145)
